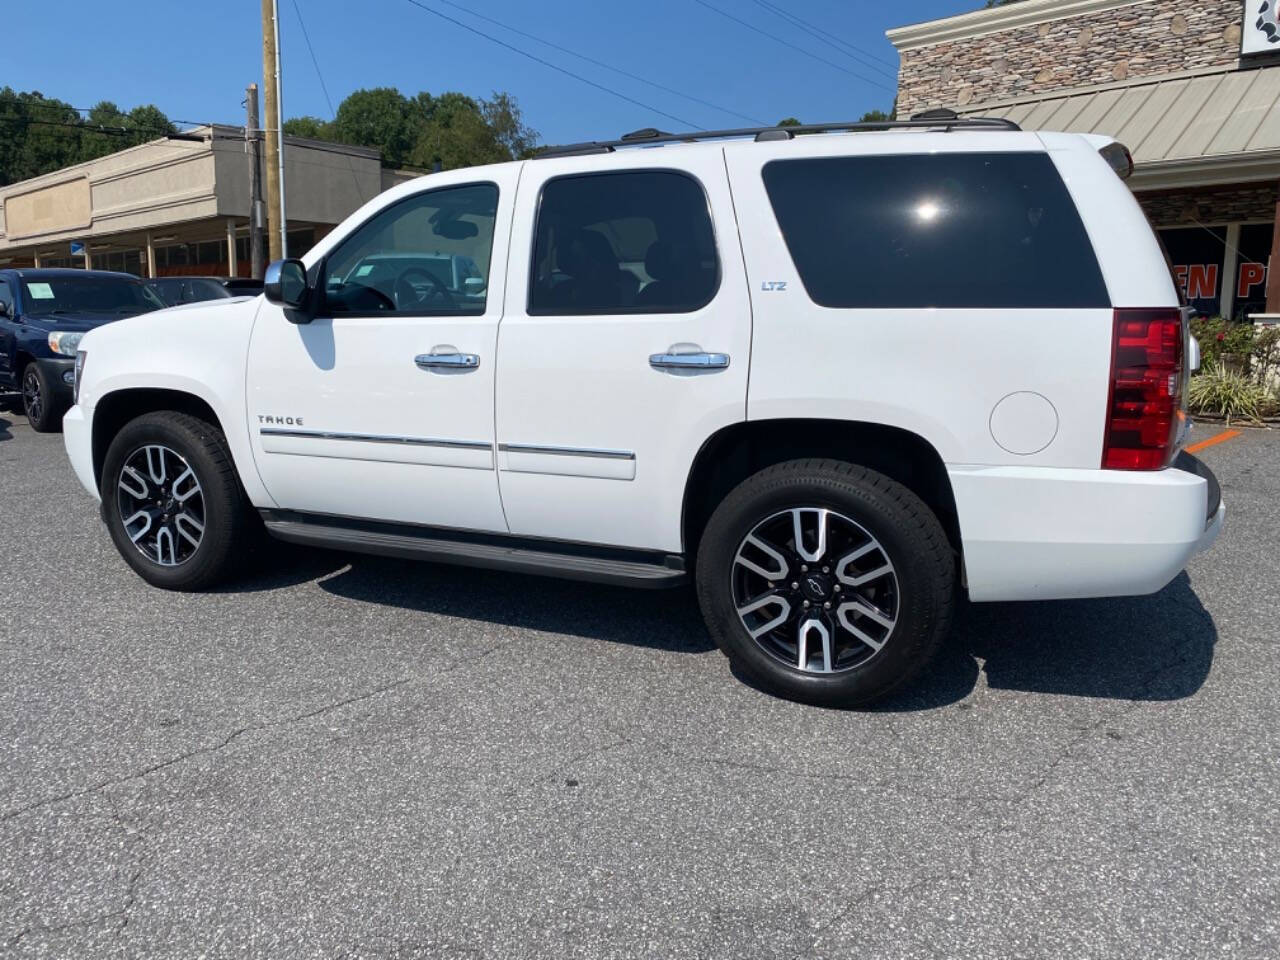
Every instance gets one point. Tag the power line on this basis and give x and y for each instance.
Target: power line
(601, 63)
(84, 127)
(788, 43)
(868, 60)
(556, 67)
(20, 106)
(355, 180)
(314, 62)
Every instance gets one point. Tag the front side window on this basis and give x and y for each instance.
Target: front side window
(633, 242)
(427, 255)
(935, 230)
(53, 295)
(5, 296)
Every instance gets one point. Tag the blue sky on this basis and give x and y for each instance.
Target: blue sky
(193, 58)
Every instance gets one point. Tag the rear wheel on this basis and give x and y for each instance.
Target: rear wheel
(826, 582)
(173, 503)
(39, 401)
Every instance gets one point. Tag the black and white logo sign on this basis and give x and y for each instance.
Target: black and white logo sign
(1261, 32)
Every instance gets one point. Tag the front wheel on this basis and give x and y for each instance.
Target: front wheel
(826, 582)
(173, 503)
(40, 401)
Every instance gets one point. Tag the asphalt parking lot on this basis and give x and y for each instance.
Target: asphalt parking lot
(350, 757)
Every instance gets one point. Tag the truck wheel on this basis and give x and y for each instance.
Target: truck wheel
(173, 503)
(826, 582)
(39, 402)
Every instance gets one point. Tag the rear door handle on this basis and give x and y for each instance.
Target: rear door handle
(440, 359)
(689, 361)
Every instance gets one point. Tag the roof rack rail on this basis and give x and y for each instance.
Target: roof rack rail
(944, 120)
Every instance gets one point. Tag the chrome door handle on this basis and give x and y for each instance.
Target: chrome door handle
(447, 361)
(689, 361)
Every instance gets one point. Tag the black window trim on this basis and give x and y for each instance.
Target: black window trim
(322, 266)
(620, 311)
(813, 302)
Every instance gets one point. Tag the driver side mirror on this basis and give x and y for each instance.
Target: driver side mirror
(285, 283)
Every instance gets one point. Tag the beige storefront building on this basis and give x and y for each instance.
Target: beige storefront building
(1192, 88)
(179, 206)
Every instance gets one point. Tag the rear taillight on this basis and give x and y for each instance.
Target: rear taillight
(1144, 409)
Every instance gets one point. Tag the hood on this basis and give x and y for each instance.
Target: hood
(179, 327)
(202, 304)
(79, 321)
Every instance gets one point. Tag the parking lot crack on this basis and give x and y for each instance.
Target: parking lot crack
(202, 751)
(240, 732)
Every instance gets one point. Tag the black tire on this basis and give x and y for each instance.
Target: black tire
(230, 524)
(912, 540)
(39, 402)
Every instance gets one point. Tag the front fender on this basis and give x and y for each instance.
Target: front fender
(198, 352)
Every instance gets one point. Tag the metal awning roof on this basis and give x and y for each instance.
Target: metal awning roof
(1166, 122)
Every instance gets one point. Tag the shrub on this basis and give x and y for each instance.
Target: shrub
(1218, 337)
(1265, 358)
(1220, 392)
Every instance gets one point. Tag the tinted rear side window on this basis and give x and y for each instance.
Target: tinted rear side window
(939, 230)
(637, 241)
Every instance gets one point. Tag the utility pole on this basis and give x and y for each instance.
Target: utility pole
(274, 112)
(257, 215)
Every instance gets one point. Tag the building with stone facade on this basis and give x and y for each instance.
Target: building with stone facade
(1191, 88)
(180, 205)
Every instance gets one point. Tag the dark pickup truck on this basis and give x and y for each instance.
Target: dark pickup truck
(43, 313)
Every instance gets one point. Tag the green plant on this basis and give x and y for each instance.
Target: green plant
(1219, 337)
(1265, 358)
(1219, 392)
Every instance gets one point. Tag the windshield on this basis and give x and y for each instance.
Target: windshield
(88, 294)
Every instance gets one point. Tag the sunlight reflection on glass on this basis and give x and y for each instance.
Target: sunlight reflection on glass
(928, 211)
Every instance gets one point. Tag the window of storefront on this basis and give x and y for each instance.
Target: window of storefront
(1251, 271)
(1198, 255)
(173, 256)
(1222, 270)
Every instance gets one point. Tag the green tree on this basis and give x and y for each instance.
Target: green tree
(46, 135)
(40, 134)
(789, 122)
(453, 133)
(312, 128)
(875, 116)
(381, 117)
(450, 130)
(107, 129)
(148, 122)
(503, 115)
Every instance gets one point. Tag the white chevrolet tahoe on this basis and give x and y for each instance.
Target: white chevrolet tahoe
(832, 379)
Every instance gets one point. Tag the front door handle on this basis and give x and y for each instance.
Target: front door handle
(447, 359)
(689, 361)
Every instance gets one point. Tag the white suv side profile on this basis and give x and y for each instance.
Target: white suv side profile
(832, 378)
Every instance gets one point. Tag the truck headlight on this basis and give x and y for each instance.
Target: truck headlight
(64, 342)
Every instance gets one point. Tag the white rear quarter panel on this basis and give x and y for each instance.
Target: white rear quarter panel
(938, 373)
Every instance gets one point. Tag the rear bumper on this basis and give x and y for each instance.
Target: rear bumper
(77, 437)
(1047, 534)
